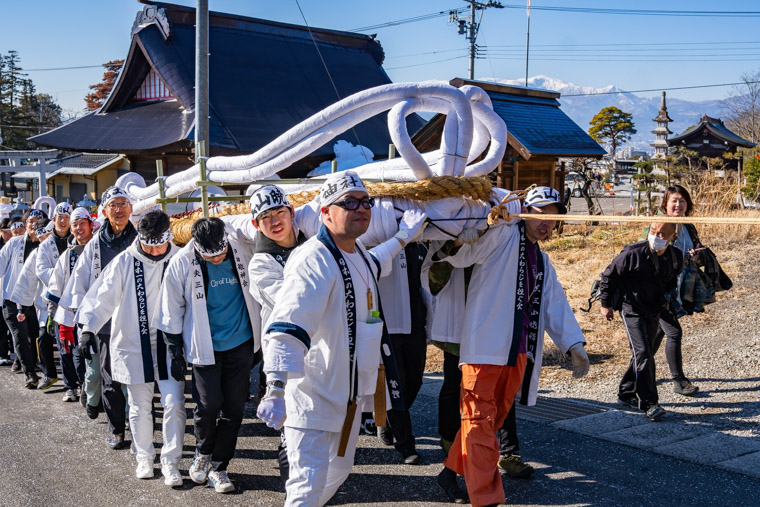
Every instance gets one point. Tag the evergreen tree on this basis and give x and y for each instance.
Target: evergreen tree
(612, 126)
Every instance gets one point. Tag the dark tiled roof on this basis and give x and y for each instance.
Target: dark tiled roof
(716, 127)
(539, 124)
(265, 77)
(83, 161)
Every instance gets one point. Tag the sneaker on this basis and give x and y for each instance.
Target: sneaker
(16, 367)
(200, 467)
(218, 480)
(172, 478)
(92, 412)
(116, 441)
(684, 387)
(511, 465)
(31, 381)
(411, 458)
(629, 403)
(447, 481)
(83, 397)
(46, 382)
(70, 395)
(385, 435)
(655, 412)
(144, 468)
(5, 362)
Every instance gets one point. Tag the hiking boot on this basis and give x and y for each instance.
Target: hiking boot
(116, 441)
(447, 481)
(172, 478)
(628, 403)
(655, 412)
(46, 382)
(31, 381)
(70, 395)
(511, 465)
(200, 467)
(218, 480)
(144, 468)
(684, 387)
(385, 435)
(16, 367)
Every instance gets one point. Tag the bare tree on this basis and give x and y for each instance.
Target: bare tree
(742, 107)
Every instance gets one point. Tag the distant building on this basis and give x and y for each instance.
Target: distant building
(710, 138)
(84, 174)
(661, 132)
(539, 133)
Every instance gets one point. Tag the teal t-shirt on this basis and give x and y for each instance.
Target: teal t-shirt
(227, 314)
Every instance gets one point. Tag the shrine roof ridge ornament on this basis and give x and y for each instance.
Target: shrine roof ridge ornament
(152, 15)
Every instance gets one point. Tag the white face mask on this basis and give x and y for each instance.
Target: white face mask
(657, 244)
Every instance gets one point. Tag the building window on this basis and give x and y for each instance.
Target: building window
(153, 88)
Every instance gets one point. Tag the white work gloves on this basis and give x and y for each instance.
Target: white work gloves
(411, 226)
(468, 236)
(580, 360)
(272, 409)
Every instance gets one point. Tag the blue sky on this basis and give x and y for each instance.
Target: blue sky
(570, 46)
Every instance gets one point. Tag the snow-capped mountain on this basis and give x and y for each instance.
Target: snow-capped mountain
(581, 107)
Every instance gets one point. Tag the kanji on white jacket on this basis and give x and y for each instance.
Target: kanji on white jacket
(11, 262)
(182, 307)
(58, 281)
(114, 296)
(28, 288)
(86, 271)
(47, 257)
(312, 298)
(490, 307)
(266, 275)
(446, 323)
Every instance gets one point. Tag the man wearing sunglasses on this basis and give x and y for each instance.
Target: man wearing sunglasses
(116, 234)
(323, 343)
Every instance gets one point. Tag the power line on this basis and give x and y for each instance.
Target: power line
(640, 12)
(660, 89)
(427, 63)
(414, 19)
(63, 68)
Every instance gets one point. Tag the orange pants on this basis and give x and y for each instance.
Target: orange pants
(487, 394)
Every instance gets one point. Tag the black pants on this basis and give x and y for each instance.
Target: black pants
(449, 418)
(640, 379)
(220, 391)
(46, 350)
(24, 334)
(114, 397)
(6, 340)
(670, 328)
(409, 351)
(72, 364)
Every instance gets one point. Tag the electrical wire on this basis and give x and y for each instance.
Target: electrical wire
(414, 19)
(638, 12)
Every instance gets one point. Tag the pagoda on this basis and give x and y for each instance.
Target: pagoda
(662, 131)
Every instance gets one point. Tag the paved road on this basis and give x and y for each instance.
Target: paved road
(51, 453)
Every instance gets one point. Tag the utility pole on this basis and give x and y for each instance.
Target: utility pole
(468, 27)
(201, 95)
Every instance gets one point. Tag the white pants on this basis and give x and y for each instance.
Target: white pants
(141, 421)
(316, 471)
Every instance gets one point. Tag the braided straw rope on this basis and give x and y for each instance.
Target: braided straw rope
(439, 187)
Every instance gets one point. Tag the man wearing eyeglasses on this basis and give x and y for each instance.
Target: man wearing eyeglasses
(211, 321)
(116, 234)
(323, 343)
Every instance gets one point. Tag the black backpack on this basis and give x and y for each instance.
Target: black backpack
(596, 295)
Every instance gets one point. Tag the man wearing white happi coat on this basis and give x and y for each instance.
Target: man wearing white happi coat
(514, 297)
(323, 344)
(27, 294)
(12, 257)
(115, 236)
(87, 371)
(211, 321)
(127, 293)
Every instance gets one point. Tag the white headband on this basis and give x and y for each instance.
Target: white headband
(62, 208)
(79, 214)
(211, 253)
(112, 193)
(16, 225)
(267, 197)
(40, 231)
(164, 238)
(339, 184)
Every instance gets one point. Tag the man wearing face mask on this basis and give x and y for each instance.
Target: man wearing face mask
(642, 274)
